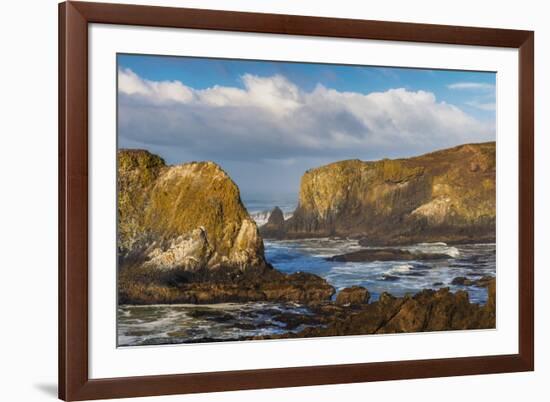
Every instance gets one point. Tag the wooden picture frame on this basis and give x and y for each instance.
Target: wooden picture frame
(74, 381)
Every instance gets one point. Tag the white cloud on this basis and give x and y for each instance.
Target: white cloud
(158, 92)
(471, 86)
(487, 106)
(272, 118)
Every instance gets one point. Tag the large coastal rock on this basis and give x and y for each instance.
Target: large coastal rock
(187, 217)
(186, 237)
(447, 196)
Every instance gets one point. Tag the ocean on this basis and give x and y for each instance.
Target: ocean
(138, 325)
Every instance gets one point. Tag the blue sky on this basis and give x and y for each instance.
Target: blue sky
(201, 73)
(267, 122)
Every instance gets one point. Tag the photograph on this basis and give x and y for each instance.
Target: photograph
(276, 200)
(272, 201)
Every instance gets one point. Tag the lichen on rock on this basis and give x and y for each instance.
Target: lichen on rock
(187, 216)
(448, 195)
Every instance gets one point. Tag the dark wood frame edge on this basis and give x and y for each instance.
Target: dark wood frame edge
(74, 382)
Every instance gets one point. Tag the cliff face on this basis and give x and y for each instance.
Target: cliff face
(447, 195)
(188, 216)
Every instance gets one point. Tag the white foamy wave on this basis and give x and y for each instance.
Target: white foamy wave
(435, 248)
(401, 268)
(261, 217)
(321, 247)
(435, 244)
(453, 252)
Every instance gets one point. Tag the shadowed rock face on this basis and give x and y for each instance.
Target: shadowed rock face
(447, 195)
(276, 218)
(275, 224)
(187, 217)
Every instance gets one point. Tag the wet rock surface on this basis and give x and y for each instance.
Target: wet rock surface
(387, 254)
(221, 285)
(356, 295)
(482, 282)
(428, 310)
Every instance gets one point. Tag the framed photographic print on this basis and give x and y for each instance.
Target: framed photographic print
(259, 200)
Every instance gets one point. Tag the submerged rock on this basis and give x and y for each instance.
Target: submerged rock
(481, 282)
(386, 254)
(448, 196)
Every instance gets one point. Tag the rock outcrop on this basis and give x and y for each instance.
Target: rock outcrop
(387, 254)
(145, 286)
(482, 282)
(447, 196)
(356, 295)
(275, 224)
(186, 237)
(187, 217)
(428, 310)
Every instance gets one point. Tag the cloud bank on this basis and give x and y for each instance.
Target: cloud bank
(273, 119)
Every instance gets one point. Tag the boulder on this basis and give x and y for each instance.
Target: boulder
(481, 282)
(355, 295)
(386, 254)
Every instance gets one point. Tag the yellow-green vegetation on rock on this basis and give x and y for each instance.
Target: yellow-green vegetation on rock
(448, 195)
(187, 216)
(137, 172)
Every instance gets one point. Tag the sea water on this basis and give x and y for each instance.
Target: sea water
(164, 324)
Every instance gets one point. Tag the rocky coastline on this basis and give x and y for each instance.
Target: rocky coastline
(426, 311)
(222, 285)
(445, 196)
(186, 237)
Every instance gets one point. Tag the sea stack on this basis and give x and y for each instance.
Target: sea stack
(188, 216)
(447, 196)
(275, 224)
